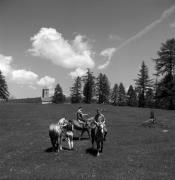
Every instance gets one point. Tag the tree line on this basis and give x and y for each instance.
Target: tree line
(146, 92)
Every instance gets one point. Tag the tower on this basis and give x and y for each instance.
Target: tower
(45, 93)
(45, 97)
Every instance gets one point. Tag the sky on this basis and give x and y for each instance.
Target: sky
(46, 42)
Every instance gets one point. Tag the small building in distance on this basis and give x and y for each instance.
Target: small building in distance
(46, 99)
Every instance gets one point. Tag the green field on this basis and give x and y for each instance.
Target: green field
(131, 151)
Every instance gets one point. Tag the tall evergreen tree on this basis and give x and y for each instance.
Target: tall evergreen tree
(121, 95)
(76, 92)
(165, 67)
(114, 95)
(143, 82)
(149, 98)
(131, 97)
(89, 86)
(58, 96)
(102, 88)
(4, 94)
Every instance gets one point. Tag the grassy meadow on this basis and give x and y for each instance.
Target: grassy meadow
(131, 152)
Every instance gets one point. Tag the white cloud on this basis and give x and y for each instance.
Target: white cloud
(78, 72)
(50, 44)
(103, 66)
(46, 82)
(5, 66)
(108, 53)
(149, 27)
(23, 76)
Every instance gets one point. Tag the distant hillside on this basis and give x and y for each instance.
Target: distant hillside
(26, 100)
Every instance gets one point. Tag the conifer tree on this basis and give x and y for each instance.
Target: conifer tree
(76, 92)
(149, 98)
(165, 67)
(58, 96)
(121, 95)
(131, 97)
(89, 86)
(114, 95)
(143, 82)
(4, 94)
(102, 88)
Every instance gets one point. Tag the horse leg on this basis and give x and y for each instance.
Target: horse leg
(98, 149)
(52, 142)
(92, 137)
(69, 143)
(60, 143)
(101, 147)
(105, 135)
(89, 133)
(82, 132)
(72, 144)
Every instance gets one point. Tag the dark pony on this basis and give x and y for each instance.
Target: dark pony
(97, 135)
(55, 134)
(84, 127)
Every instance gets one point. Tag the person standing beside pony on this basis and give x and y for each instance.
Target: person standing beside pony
(100, 119)
(69, 134)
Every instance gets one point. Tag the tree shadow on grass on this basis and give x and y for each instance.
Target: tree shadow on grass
(91, 151)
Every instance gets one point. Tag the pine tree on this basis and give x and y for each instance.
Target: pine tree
(89, 87)
(4, 94)
(58, 96)
(165, 67)
(114, 95)
(143, 82)
(131, 97)
(102, 88)
(149, 98)
(76, 92)
(121, 95)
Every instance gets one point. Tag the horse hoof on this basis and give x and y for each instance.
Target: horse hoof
(98, 154)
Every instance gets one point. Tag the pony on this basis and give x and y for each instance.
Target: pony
(97, 135)
(84, 127)
(55, 134)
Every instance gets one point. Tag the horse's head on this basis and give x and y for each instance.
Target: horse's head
(63, 121)
(101, 127)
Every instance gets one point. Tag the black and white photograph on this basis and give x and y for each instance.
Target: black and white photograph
(87, 89)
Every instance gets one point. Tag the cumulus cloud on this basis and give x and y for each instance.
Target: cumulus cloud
(107, 53)
(22, 76)
(5, 66)
(50, 44)
(46, 82)
(78, 72)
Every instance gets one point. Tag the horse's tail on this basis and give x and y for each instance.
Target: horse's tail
(54, 131)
